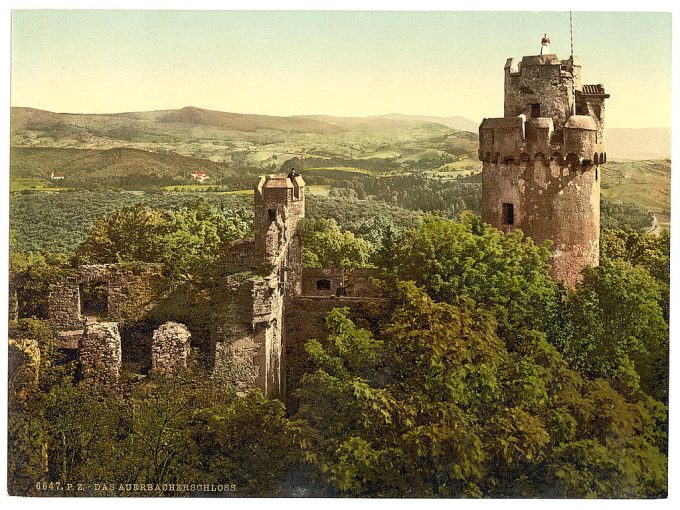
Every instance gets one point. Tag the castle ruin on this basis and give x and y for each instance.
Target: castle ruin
(268, 307)
(540, 174)
(541, 161)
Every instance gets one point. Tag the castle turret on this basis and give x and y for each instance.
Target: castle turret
(541, 160)
(279, 207)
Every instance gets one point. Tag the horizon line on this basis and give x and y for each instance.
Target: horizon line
(294, 115)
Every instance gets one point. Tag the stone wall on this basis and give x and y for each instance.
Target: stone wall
(130, 291)
(516, 139)
(249, 337)
(235, 362)
(544, 80)
(24, 366)
(350, 282)
(99, 353)
(550, 202)
(63, 304)
(170, 348)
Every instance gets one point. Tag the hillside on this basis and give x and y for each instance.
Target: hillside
(247, 141)
(646, 184)
(346, 156)
(454, 121)
(119, 168)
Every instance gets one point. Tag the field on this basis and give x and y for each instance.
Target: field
(644, 183)
(31, 184)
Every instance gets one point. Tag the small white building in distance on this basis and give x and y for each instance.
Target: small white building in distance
(57, 176)
(200, 176)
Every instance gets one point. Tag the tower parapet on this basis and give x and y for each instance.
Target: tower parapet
(541, 160)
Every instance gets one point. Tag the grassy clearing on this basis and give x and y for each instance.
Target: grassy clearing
(31, 184)
(239, 192)
(318, 190)
(194, 187)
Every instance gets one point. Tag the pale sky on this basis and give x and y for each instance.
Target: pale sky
(334, 63)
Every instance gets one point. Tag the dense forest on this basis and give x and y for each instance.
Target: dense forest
(485, 378)
(58, 222)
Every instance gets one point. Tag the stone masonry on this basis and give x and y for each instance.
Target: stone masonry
(129, 292)
(250, 344)
(541, 161)
(170, 348)
(99, 353)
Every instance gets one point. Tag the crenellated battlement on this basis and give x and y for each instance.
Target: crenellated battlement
(520, 140)
(541, 159)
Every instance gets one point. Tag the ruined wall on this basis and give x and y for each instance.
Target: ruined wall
(306, 320)
(551, 202)
(340, 281)
(99, 353)
(130, 291)
(235, 365)
(249, 338)
(63, 304)
(24, 366)
(170, 348)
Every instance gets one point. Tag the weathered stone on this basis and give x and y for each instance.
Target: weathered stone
(541, 161)
(235, 363)
(340, 282)
(99, 353)
(13, 304)
(249, 351)
(63, 304)
(129, 292)
(170, 348)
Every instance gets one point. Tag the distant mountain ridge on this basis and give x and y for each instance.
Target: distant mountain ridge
(170, 126)
(454, 121)
(25, 118)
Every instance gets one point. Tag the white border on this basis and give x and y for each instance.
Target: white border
(480, 5)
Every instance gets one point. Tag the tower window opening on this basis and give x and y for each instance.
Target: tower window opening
(323, 285)
(596, 173)
(535, 110)
(272, 215)
(508, 214)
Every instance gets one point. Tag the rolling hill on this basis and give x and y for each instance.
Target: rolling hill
(454, 122)
(119, 167)
(243, 141)
(646, 184)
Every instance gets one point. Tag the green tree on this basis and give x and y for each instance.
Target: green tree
(131, 234)
(439, 405)
(506, 272)
(326, 245)
(617, 328)
(188, 241)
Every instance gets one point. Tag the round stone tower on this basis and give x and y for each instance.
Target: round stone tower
(541, 161)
